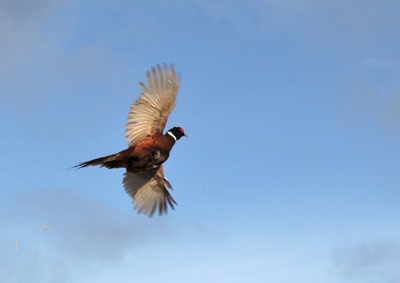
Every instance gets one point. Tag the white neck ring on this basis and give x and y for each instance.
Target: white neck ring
(172, 135)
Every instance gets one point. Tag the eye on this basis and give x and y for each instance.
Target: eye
(181, 130)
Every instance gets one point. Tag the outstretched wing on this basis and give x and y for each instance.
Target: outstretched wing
(150, 112)
(148, 191)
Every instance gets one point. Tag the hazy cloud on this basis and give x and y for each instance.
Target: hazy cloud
(38, 56)
(344, 24)
(24, 10)
(20, 25)
(374, 263)
(364, 107)
(85, 234)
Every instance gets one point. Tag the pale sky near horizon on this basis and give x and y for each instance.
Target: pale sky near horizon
(291, 169)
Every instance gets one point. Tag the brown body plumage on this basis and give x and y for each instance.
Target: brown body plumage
(148, 148)
(149, 153)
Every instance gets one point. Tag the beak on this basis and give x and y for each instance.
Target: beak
(185, 134)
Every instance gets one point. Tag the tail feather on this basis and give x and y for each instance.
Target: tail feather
(106, 161)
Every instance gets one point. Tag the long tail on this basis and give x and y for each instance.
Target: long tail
(106, 161)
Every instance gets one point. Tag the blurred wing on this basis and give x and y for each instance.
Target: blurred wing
(150, 112)
(148, 192)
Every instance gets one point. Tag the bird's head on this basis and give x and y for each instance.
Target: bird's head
(177, 133)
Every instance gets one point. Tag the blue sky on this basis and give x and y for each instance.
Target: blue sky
(290, 172)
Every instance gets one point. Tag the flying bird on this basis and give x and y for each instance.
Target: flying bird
(148, 147)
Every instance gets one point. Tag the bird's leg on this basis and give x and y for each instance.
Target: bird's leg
(156, 154)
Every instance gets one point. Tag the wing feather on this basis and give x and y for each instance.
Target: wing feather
(150, 112)
(148, 191)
